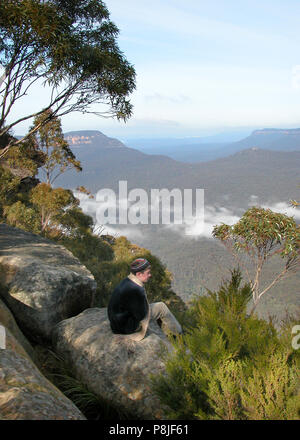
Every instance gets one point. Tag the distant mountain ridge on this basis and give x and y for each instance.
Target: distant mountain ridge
(209, 148)
(270, 139)
(287, 131)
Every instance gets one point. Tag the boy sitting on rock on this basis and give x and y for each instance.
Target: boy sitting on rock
(129, 312)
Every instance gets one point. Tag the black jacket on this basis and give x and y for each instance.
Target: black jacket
(127, 307)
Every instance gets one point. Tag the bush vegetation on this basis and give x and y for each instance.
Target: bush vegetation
(230, 365)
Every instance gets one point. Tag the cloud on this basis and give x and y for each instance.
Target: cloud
(203, 229)
(95, 208)
(216, 215)
(280, 207)
(157, 97)
(188, 226)
(115, 231)
(284, 208)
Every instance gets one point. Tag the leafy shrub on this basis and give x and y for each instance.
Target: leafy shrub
(230, 365)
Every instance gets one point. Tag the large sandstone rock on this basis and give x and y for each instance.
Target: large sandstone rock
(109, 366)
(25, 394)
(41, 282)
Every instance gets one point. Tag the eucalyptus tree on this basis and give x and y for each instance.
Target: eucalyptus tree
(70, 48)
(260, 235)
(50, 141)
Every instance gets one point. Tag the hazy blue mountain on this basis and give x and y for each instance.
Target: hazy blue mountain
(269, 139)
(152, 143)
(213, 147)
(198, 152)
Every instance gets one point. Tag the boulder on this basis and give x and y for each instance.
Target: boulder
(110, 365)
(25, 394)
(41, 282)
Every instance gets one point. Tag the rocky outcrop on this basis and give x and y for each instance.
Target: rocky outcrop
(91, 137)
(41, 282)
(25, 394)
(48, 293)
(109, 365)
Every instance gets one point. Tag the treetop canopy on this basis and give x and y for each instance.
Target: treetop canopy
(71, 46)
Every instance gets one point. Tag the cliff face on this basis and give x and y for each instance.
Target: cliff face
(81, 138)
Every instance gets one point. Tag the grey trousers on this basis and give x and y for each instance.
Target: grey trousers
(159, 310)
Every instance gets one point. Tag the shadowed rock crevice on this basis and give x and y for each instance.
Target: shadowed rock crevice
(27, 395)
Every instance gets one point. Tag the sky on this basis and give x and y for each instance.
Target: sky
(205, 67)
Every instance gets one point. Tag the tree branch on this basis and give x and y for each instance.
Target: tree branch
(275, 281)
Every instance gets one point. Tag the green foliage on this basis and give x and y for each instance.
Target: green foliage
(17, 171)
(58, 157)
(84, 190)
(23, 217)
(38, 207)
(8, 187)
(23, 160)
(230, 365)
(52, 205)
(259, 230)
(42, 209)
(75, 223)
(271, 393)
(224, 390)
(19, 164)
(261, 234)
